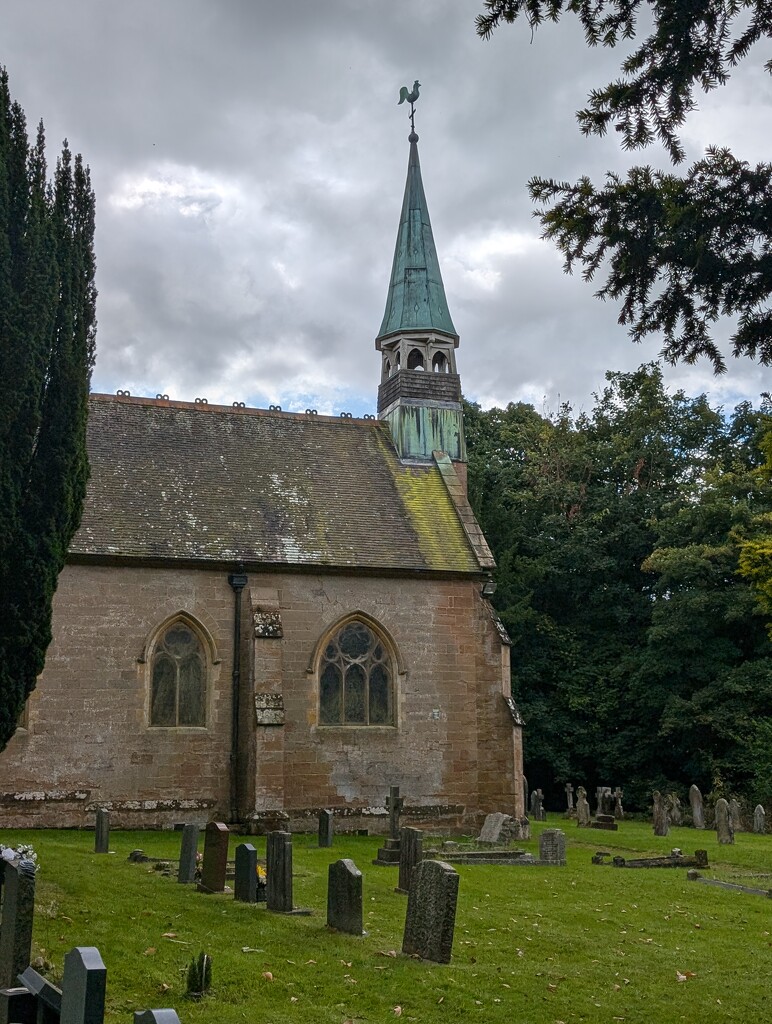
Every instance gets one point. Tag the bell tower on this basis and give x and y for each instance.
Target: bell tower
(420, 390)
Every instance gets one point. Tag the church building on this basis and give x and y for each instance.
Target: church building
(265, 614)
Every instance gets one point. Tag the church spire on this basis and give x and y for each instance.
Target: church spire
(420, 391)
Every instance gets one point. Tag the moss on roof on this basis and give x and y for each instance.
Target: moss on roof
(219, 484)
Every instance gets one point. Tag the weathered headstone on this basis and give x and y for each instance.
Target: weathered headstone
(410, 854)
(344, 897)
(569, 800)
(245, 882)
(16, 923)
(497, 828)
(619, 811)
(606, 801)
(659, 815)
(188, 854)
(698, 814)
(537, 806)
(102, 833)
(552, 847)
(325, 829)
(215, 862)
(156, 1017)
(734, 814)
(673, 805)
(759, 820)
(394, 804)
(431, 911)
(724, 830)
(582, 808)
(83, 987)
(278, 869)
(525, 794)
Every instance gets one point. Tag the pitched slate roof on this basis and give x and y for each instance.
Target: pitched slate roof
(173, 480)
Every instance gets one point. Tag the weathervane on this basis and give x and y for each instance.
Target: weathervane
(411, 97)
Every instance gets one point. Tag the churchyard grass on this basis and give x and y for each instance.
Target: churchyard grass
(542, 945)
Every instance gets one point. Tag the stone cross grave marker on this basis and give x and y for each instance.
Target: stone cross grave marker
(188, 853)
(619, 811)
(102, 833)
(431, 911)
(83, 987)
(344, 897)
(582, 808)
(245, 884)
(215, 860)
(759, 820)
(698, 814)
(278, 869)
(16, 923)
(660, 818)
(724, 830)
(394, 803)
(569, 799)
(410, 853)
(552, 847)
(325, 828)
(734, 814)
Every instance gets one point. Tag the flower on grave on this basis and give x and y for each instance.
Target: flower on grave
(261, 875)
(22, 852)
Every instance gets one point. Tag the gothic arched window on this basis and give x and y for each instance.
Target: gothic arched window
(178, 678)
(356, 678)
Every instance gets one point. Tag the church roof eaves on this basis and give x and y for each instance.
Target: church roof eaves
(212, 484)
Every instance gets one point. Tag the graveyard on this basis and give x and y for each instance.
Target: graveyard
(532, 942)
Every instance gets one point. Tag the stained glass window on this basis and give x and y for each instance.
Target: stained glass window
(355, 679)
(178, 692)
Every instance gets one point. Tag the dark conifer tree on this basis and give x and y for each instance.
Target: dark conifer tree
(47, 334)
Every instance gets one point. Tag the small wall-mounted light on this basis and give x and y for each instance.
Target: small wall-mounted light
(488, 589)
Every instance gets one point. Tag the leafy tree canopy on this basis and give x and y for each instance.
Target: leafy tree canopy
(679, 252)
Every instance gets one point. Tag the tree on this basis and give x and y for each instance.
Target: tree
(47, 335)
(679, 252)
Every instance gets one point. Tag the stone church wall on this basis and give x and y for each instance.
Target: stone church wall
(453, 751)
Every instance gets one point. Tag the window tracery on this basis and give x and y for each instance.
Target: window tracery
(178, 678)
(356, 678)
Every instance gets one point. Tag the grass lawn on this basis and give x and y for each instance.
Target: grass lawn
(532, 945)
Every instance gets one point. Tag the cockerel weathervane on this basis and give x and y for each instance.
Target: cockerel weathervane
(411, 97)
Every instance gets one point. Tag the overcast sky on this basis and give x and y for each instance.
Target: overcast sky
(249, 159)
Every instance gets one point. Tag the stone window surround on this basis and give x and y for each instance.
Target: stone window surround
(211, 659)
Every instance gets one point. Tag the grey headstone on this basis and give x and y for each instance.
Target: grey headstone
(552, 846)
(734, 814)
(582, 808)
(431, 911)
(661, 821)
(673, 805)
(83, 987)
(619, 811)
(245, 884)
(215, 862)
(759, 820)
(724, 830)
(569, 797)
(325, 829)
(188, 854)
(344, 897)
(410, 853)
(278, 869)
(493, 826)
(156, 1017)
(698, 814)
(16, 923)
(394, 805)
(102, 834)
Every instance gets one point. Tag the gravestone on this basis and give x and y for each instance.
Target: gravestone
(344, 897)
(606, 801)
(16, 923)
(537, 806)
(525, 794)
(410, 853)
(245, 883)
(214, 864)
(673, 805)
(83, 987)
(102, 833)
(156, 1017)
(759, 820)
(278, 869)
(734, 815)
(188, 853)
(619, 811)
(582, 808)
(552, 847)
(431, 912)
(659, 815)
(325, 829)
(569, 800)
(388, 854)
(724, 830)
(698, 814)
(497, 829)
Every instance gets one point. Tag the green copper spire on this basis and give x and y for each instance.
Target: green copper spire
(416, 299)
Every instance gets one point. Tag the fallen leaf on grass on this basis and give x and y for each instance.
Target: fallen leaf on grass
(685, 976)
(309, 962)
(552, 988)
(440, 1000)
(169, 935)
(251, 949)
(385, 952)
(149, 951)
(163, 987)
(397, 1011)
(267, 975)
(347, 963)
(293, 999)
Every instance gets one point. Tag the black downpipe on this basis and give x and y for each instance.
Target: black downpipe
(238, 581)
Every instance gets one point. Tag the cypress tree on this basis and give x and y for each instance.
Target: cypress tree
(47, 334)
